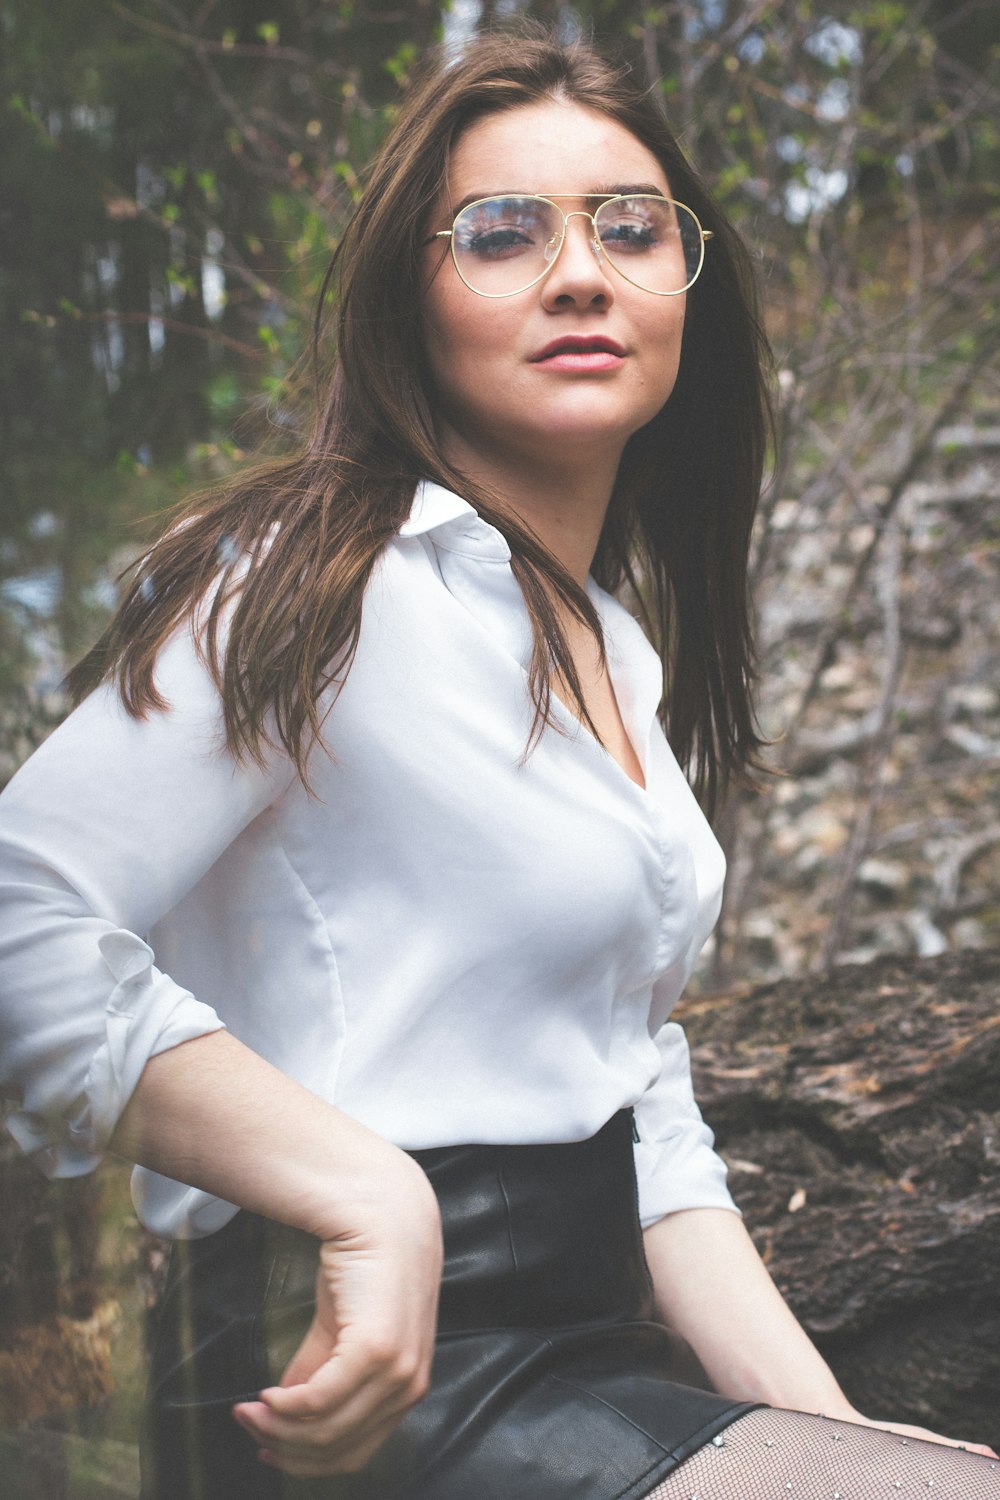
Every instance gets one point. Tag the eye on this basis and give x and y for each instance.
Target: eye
(500, 229)
(633, 226)
(497, 243)
(626, 235)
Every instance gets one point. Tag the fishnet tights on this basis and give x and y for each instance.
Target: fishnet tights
(787, 1455)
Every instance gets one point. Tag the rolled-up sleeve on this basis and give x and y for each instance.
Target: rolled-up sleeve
(109, 824)
(676, 1164)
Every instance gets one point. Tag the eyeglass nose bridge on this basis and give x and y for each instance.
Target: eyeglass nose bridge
(555, 244)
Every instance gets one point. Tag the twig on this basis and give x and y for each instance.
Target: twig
(194, 330)
(888, 583)
(949, 873)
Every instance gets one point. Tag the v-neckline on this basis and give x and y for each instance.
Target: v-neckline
(578, 724)
(628, 731)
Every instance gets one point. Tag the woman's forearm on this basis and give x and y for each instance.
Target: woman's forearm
(712, 1288)
(214, 1114)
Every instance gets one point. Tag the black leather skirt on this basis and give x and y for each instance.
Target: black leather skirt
(550, 1382)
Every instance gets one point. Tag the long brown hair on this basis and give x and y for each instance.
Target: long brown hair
(286, 551)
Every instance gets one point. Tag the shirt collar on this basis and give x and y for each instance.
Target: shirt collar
(459, 527)
(456, 527)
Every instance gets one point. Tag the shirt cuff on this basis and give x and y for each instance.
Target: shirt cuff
(676, 1164)
(679, 1173)
(146, 1013)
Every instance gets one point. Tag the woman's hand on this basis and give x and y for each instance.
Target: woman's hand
(904, 1429)
(366, 1358)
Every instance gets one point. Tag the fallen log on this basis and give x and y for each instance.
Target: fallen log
(860, 1116)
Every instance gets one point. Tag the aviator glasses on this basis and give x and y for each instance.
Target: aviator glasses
(505, 244)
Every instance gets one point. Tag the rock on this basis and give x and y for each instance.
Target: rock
(884, 875)
(927, 936)
(973, 698)
(871, 1102)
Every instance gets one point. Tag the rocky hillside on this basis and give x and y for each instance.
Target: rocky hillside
(880, 628)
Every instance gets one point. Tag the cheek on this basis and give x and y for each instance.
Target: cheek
(439, 347)
(671, 319)
(463, 336)
(450, 363)
(445, 321)
(665, 337)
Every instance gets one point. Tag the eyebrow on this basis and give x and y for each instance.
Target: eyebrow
(615, 190)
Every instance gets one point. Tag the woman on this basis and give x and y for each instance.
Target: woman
(372, 752)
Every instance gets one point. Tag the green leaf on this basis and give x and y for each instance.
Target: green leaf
(398, 66)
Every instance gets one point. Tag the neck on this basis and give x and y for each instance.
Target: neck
(563, 500)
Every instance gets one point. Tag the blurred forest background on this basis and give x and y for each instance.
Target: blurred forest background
(173, 177)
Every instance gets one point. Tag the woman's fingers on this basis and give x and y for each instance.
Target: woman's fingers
(304, 1455)
(337, 1419)
(307, 1449)
(904, 1429)
(324, 1427)
(346, 1392)
(311, 1355)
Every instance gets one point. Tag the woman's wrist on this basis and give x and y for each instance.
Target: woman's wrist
(370, 1181)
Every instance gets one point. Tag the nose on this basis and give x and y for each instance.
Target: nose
(579, 273)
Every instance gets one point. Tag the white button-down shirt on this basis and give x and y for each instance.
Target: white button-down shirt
(451, 941)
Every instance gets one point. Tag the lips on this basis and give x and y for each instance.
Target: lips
(578, 343)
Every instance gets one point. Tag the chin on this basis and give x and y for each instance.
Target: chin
(594, 429)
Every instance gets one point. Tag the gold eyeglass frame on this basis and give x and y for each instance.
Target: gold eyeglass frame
(596, 244)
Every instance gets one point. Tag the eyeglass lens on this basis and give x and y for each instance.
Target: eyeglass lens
(503, 245)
